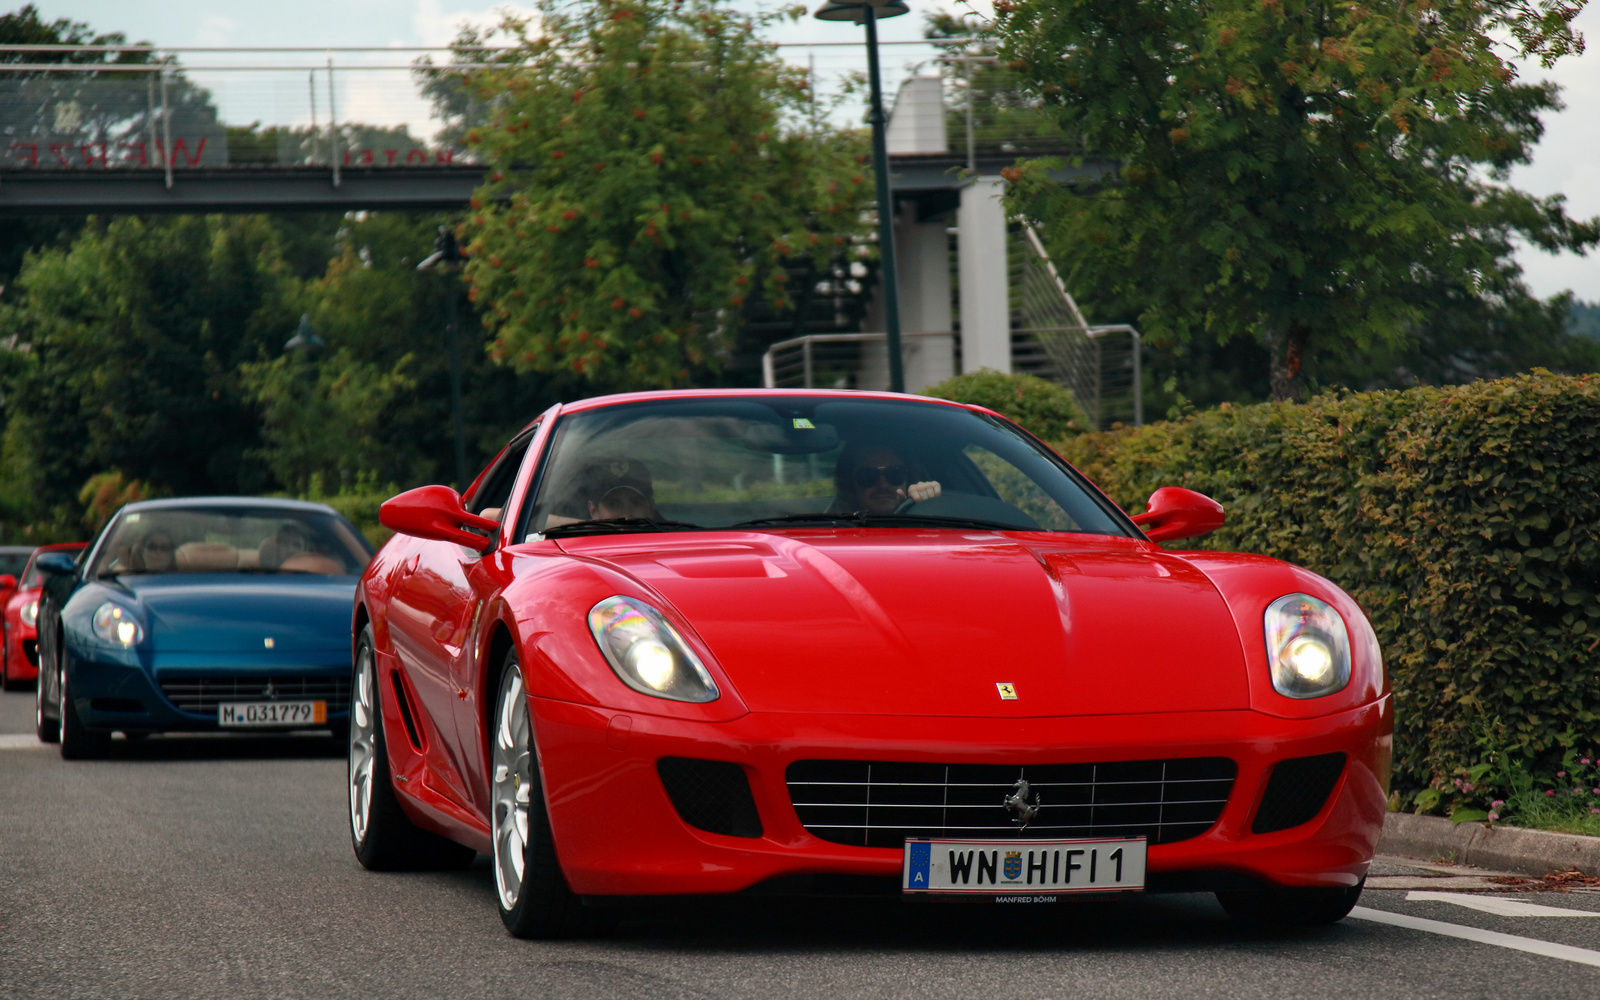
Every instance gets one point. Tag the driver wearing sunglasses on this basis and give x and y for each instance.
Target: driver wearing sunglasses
(874, 478)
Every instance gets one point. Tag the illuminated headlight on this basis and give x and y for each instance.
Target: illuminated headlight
(647, 652)
(1307, 647)
(113, 624)
(30, 614)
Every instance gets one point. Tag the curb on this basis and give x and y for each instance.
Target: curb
(1508, 848)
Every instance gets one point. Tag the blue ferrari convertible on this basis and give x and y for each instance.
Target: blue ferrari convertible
(214, 613)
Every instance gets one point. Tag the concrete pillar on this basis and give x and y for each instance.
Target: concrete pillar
(922, 251)
(985, 277)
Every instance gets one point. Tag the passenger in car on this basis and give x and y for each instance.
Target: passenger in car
(155, 553)
(873, 478)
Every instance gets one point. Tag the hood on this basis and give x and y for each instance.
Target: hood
(930, 623)
(226, 612)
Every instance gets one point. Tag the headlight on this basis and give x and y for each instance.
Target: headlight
(114, 624)
(646, 651)
(30, 614)
(1307, 646)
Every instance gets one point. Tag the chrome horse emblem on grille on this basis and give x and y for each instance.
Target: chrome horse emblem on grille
(270, 691)
(1022, 803)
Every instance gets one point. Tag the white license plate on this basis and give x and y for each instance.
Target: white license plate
(272, 713)
(1024, 871)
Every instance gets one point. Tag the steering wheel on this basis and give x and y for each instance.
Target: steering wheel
(904, 505)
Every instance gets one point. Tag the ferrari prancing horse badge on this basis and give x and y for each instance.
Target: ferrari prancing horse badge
(1008, 691)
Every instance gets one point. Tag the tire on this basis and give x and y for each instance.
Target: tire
(49, 730)
(383, 836)
(78, 743)
(530, 889)
(1291, 907)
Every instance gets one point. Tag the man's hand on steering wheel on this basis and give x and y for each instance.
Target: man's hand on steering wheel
(917, 493)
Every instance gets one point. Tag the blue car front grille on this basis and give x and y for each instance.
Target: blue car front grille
(201, 694)
(881, 803)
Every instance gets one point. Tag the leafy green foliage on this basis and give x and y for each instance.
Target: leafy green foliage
(1307, 173)
(652, 167)
(1465, 520)
(323, 418)
(1046, 409)
(1585, 320)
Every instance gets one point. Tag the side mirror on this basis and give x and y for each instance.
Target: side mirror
(1174, 512)
(435, 513)
(7, 582)
(55, 563)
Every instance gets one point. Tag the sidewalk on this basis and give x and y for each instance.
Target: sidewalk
(1506, 848)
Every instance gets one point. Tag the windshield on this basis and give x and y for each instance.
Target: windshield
(718, 463)
(231, 540)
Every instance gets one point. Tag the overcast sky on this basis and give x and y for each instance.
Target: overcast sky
(1567, 162)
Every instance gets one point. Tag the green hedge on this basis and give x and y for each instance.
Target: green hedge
(1043, 407)
(1465, 520)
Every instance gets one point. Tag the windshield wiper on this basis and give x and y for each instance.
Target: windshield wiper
(613, 525)
(937, 521)
(853, 520)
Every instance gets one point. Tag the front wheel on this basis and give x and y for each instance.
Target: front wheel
(77, 742)
(382, 834)
(1291, 907)
(535, 901)
(49, 729)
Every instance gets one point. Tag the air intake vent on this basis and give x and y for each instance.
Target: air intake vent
(881, 803)
(1296, 791)
(710, 795)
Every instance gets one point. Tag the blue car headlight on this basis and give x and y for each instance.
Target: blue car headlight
(647, 653)
(114, 624)
(1307, 647)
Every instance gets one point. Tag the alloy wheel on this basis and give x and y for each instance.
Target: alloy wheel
(512, 787)
(363, 745)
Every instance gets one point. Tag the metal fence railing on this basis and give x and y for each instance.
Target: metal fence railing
(1050, 338)
(842, 360)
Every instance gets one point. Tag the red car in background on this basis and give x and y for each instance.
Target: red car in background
(722, 641)
(21, 649)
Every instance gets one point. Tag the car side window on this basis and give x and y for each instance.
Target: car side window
(490, 501)
(1015, 487)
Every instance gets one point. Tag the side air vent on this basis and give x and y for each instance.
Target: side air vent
(710, 795)
(400, 698)
(1296, 791)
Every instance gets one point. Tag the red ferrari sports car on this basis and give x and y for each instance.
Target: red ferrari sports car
(717, 641)
(21, 662)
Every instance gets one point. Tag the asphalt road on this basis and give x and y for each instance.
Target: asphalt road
(205, 866)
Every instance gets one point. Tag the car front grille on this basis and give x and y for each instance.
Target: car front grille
(202, 694)
(880, 804)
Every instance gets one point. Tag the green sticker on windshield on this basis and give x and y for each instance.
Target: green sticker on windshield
(802, 424)
(133, 518)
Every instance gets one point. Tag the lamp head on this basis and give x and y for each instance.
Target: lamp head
(855, 10)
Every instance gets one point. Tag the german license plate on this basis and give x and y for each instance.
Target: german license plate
(1034, 871)
(272, 713)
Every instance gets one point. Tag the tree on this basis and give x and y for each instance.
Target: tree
(653, 164)
(1325, 177)
(134, 337)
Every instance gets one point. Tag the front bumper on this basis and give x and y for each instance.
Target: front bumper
(127, 696)
(617, 833)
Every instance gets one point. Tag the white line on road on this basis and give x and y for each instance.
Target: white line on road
(18, 741)
(1498, 906)
(1549, 949)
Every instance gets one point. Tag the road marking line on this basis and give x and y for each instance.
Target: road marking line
(1497, 905)
(21, 741)
(1549, 949)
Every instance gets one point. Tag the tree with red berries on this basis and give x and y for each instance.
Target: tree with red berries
(1323, 175)
(652, 164)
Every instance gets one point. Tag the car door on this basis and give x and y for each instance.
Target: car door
(431, 613)
(485, 577)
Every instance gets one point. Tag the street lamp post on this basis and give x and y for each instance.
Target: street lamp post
(447, 258)
(869, 13)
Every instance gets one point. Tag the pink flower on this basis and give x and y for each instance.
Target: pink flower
(1585, 760)
(1595, 790)
(1550, 793)
(1595, 809)
(1494, 816)
(1561, 774)
(1497, 803)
